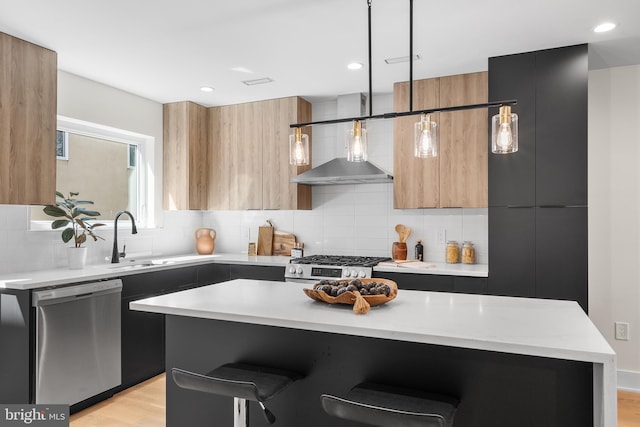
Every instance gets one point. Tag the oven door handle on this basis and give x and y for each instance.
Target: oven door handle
(300, 281)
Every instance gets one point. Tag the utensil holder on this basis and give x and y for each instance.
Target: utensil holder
(399, 251)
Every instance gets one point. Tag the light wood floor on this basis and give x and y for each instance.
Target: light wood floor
(143, 406)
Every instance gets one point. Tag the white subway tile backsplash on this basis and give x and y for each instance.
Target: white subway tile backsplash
(14, 217)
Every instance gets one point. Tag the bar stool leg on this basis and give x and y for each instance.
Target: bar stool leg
(240, 412)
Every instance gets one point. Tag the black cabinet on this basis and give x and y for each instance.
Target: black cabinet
(562, 254)
(561, 126)
(550, 167)
(435, 282)
(538, 196)
(142, 344)
(208, 274)
(512, 176)
(143, 352)
(512, 268)
(470, 285)
(142, 334)
(15, 329)
(418, 282)
(257, 272)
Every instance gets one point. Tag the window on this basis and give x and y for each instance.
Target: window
(101, 164)
(62, 145)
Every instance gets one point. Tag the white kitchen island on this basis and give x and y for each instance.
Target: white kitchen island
(487, 350)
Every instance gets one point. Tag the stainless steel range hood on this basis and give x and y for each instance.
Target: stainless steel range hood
(339, 170)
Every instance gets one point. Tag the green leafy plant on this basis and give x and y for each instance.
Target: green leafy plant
(76, 218)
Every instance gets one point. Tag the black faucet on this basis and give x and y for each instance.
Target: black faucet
(115, 254)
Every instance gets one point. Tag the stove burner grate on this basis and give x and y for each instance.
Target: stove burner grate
(340, 260)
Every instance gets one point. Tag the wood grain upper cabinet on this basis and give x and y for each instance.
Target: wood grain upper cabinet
(416, 181)
(185, 156)
(245, 157)
(233, 157)
(278, 192)
(457, 177)
(463, 142)
(249, 156)
(28, 107)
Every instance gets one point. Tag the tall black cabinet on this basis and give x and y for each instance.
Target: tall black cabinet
(538, 196)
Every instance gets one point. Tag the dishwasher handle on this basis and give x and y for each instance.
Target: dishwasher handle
(76, 292)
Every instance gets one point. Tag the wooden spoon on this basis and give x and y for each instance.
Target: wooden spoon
(407, 233)
(400, 230)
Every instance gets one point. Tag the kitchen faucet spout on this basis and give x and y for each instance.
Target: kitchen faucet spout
(115, 254)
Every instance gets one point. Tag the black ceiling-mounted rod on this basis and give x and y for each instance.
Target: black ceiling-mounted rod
(370, 66)
(410, 55)
(408, 113)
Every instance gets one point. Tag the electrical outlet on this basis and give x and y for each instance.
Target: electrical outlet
(622, 331)
(441, 236)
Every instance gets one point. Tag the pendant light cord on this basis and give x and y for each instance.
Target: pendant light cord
(370, 66)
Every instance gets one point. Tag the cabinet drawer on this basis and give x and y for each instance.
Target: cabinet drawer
(157, 282)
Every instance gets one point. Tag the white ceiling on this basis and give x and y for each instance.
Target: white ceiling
(165, 50)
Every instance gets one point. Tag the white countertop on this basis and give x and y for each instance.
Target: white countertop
(546, 328)
(469, 270)
(63, 276)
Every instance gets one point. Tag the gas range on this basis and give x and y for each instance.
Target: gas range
(317, 267)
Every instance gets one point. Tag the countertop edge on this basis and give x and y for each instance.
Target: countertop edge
(24, 281)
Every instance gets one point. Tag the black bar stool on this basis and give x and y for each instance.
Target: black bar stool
(386, 406)
(242, 382)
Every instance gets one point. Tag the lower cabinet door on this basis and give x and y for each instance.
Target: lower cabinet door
(562, 254)
(512, 252)
(418, 282)
(142, 344)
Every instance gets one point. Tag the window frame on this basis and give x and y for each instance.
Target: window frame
(145, 208)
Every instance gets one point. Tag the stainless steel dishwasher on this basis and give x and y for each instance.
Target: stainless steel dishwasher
(77, 341)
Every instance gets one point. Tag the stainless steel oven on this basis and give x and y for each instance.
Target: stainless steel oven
(314, 268)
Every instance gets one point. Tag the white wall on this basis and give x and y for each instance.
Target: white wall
(355, 219)
(82, 99)
(614, 211)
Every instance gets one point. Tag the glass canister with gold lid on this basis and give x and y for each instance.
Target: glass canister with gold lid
(468, 253)
(453, 252)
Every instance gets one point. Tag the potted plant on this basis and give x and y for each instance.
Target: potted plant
(76, 221)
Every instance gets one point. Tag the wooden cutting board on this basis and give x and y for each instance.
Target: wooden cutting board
(283, 242)
(265, 240)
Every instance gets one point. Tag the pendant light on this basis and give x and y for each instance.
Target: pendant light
(298, 148)
(504, 125)
(357, 143)
(426, 138)
(504, 131)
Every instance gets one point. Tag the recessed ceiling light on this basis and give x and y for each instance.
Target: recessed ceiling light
(206, 89)
(242, 70)
(603, 28)
(257, 81)
(401, 59)
(355, 66)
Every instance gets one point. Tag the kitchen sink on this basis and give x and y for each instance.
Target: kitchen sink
(135, 264)
(131, 265)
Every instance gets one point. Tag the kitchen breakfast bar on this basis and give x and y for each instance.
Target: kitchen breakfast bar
(509, 361)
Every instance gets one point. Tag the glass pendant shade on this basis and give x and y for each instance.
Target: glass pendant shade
(426, 138)
(298, 148)
(504, 132)
(357, 143)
